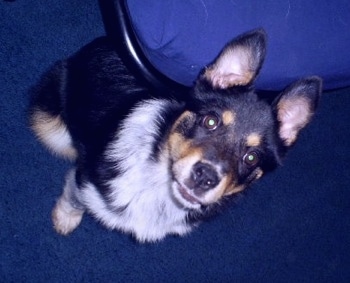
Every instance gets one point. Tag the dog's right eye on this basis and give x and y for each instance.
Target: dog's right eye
(210, 122)
(251, 158)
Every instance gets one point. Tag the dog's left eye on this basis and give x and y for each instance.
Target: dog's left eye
(210, 122)
(251, 158)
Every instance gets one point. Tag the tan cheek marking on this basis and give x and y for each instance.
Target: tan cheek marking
(228, 117)
(183, 116)
(219, 191)
(253, 139)
(178, 145)
(226, 188)
(259, 173)
(234, 190)
(179, 148)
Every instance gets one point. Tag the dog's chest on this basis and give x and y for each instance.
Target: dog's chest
(142, 203)
(141, 195)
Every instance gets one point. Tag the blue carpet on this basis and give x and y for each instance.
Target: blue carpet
(292, 226)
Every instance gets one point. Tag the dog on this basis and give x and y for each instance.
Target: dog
(153, 164)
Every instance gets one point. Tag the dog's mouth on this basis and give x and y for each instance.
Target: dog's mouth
(186, 197)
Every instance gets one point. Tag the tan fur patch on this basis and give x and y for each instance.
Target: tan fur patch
(228, 117)
(53, 133)
(226, 188)
(259, 173)
(178, 145)
(234, 190)
(253, 139)
(216, 194)
(183, 116)
(181, 148)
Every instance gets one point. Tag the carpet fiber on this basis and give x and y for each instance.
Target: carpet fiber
(292, 226)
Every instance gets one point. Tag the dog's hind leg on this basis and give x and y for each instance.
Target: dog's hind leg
(68, 211)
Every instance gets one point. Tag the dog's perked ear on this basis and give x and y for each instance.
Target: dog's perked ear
(239, 62)
(295, 106)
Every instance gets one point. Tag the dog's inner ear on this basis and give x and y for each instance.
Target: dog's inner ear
(239, 62)
(295, 107)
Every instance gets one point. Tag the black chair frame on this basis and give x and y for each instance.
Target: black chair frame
(119, 29)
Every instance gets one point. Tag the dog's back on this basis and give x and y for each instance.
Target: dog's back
(98, 66)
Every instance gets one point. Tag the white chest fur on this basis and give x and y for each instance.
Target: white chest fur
(140, 199)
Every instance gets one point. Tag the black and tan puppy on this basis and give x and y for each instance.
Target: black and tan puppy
(146, 163)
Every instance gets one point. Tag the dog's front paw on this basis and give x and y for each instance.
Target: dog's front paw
(65, 217)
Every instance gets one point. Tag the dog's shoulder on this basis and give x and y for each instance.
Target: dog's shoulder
(137, 143)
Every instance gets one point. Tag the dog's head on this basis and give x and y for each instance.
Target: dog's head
(228, 137)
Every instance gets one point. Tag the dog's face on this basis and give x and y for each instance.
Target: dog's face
(228, 137)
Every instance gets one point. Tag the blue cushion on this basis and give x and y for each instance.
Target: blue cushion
(305, 37)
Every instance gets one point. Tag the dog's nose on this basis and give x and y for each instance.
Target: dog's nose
(204, 176)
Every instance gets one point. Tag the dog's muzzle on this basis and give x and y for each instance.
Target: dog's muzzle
(203, 178)
(197, 184)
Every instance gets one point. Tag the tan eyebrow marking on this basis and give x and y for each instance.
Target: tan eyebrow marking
(228, 117)
(253, 139)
